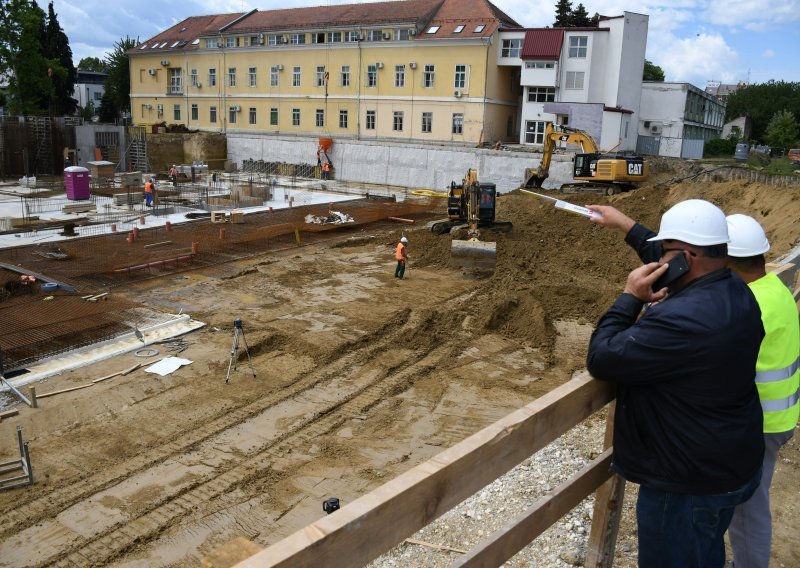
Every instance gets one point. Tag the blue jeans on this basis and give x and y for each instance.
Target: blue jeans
(686, 531)
(400, 270)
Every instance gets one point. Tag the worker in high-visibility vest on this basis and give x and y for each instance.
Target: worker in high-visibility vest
(149, 189)
(401, 256)
(777, 380)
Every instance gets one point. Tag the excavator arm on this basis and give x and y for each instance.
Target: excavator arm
(554, 134)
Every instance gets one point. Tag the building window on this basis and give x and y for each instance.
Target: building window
(539, 65)
(195, 112)
(273, 116)
(534, 131)
(252, 77)
(370, 120)
(320, 118)
(160, 110)
(577, 47)
(427, 121)
(343, 119)
(401, 35)
(193, 78)
(479, 28)
(273, 76)
(229, 42)
(97, 95)
(252, 115)
(318, 37)
(399, 75)
(273, 39)
(397, 122)
(375, 35)
(372, 75)
(351, 36)
(428, 75)
(212, 43)
(334, 37)
(297, 39)
(511, 48)
(460, 77)
(232, 77)
(175, 81)
(458, 123)
(296, 77)
(432, 30)
(295, 117)
(232, 115)
(212, 77)
(574, 80)
(252, 40)
(176, 112)
(212, 115)
(345, 78)
(321, 76)
(541, 94)
(458, 29)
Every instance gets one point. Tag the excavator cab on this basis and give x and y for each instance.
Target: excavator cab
(474, 202)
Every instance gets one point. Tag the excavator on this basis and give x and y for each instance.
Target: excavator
(594, 170)
(472, 203)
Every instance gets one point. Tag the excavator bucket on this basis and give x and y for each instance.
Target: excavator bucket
(473, 254)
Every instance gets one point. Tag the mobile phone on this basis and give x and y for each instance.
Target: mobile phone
(677, 268)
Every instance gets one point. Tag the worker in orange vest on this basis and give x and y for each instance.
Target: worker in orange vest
(149, 187)
(401, 255)
(326, 168)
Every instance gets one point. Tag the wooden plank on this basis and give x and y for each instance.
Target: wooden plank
(131, 369)
(158, 244)
(520, 532)
(374, 523)
(118, 373)
(9, 413)
(46, 394)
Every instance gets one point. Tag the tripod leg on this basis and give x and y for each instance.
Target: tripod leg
(234, 350)
(247, 350)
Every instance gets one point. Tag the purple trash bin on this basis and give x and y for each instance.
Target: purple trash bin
(76, 180)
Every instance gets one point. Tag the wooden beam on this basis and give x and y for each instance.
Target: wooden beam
(374, 523)
(520, 531)
(46, 394)
(9, 413)
(118, 373)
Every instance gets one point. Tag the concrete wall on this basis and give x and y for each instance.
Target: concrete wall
(85, 140)
(411, 165)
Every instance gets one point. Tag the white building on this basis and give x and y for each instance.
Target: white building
(681, 116)
(89, 88)
(586, 78)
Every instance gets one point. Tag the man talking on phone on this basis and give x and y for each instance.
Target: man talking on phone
(688, 421)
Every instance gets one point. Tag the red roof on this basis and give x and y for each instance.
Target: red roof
(543, 43)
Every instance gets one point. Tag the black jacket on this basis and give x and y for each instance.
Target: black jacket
(688, 417)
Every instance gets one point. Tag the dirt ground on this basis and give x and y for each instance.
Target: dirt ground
(358, 377)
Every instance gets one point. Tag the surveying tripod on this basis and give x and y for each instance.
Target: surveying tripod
(238, 329)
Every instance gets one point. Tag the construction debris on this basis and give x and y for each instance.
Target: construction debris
(334, 217)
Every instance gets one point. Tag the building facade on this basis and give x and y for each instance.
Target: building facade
(420, 70)
(586, 78)
(679, 112)
(89, 88)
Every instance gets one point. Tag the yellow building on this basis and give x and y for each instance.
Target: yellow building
(412, 70)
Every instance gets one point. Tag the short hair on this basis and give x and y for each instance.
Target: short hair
(714, 251)
(747, 263)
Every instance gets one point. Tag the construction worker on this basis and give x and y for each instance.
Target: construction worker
(149, 189)
(173, 175)
(777, 380)
(687, 426)
(401, 255)
(326, 168)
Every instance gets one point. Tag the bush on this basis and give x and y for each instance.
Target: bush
(719, 147)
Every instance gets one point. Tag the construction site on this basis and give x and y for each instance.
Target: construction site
(302, 369)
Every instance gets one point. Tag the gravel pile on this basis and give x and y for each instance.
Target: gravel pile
(563, 545)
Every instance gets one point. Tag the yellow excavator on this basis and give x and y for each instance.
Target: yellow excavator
(472, 203)
(591, 169)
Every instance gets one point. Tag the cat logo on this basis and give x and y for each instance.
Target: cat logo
(635, 168)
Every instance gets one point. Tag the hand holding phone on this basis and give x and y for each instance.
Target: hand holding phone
(678, 266)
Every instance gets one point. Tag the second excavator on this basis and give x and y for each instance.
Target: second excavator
(592, 169)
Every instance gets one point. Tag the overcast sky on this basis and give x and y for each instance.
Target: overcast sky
(692, 40)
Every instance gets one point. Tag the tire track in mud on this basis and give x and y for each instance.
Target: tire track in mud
(363, 356)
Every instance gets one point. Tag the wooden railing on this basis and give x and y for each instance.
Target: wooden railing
(378, 521)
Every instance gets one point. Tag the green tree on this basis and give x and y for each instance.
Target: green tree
(782, 130)
(62, 74)
(92, 64)
(22, 29)
(117, 97)
(652, 72)
(563, 14)
(580, 17)
(760, 102)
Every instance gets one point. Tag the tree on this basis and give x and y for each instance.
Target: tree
(760, 102)
(652, 72)
(117, 98)
(62, 75)
(563, 14)
(580, 17)
(92, 64)
(782, 130)
(22, 29)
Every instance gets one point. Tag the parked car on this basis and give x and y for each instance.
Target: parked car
(794, 155)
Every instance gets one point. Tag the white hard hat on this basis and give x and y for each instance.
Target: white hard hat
(694, 221)
(747, 237)
(403, 240)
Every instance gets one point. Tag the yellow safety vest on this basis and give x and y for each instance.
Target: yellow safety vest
(778, 365)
